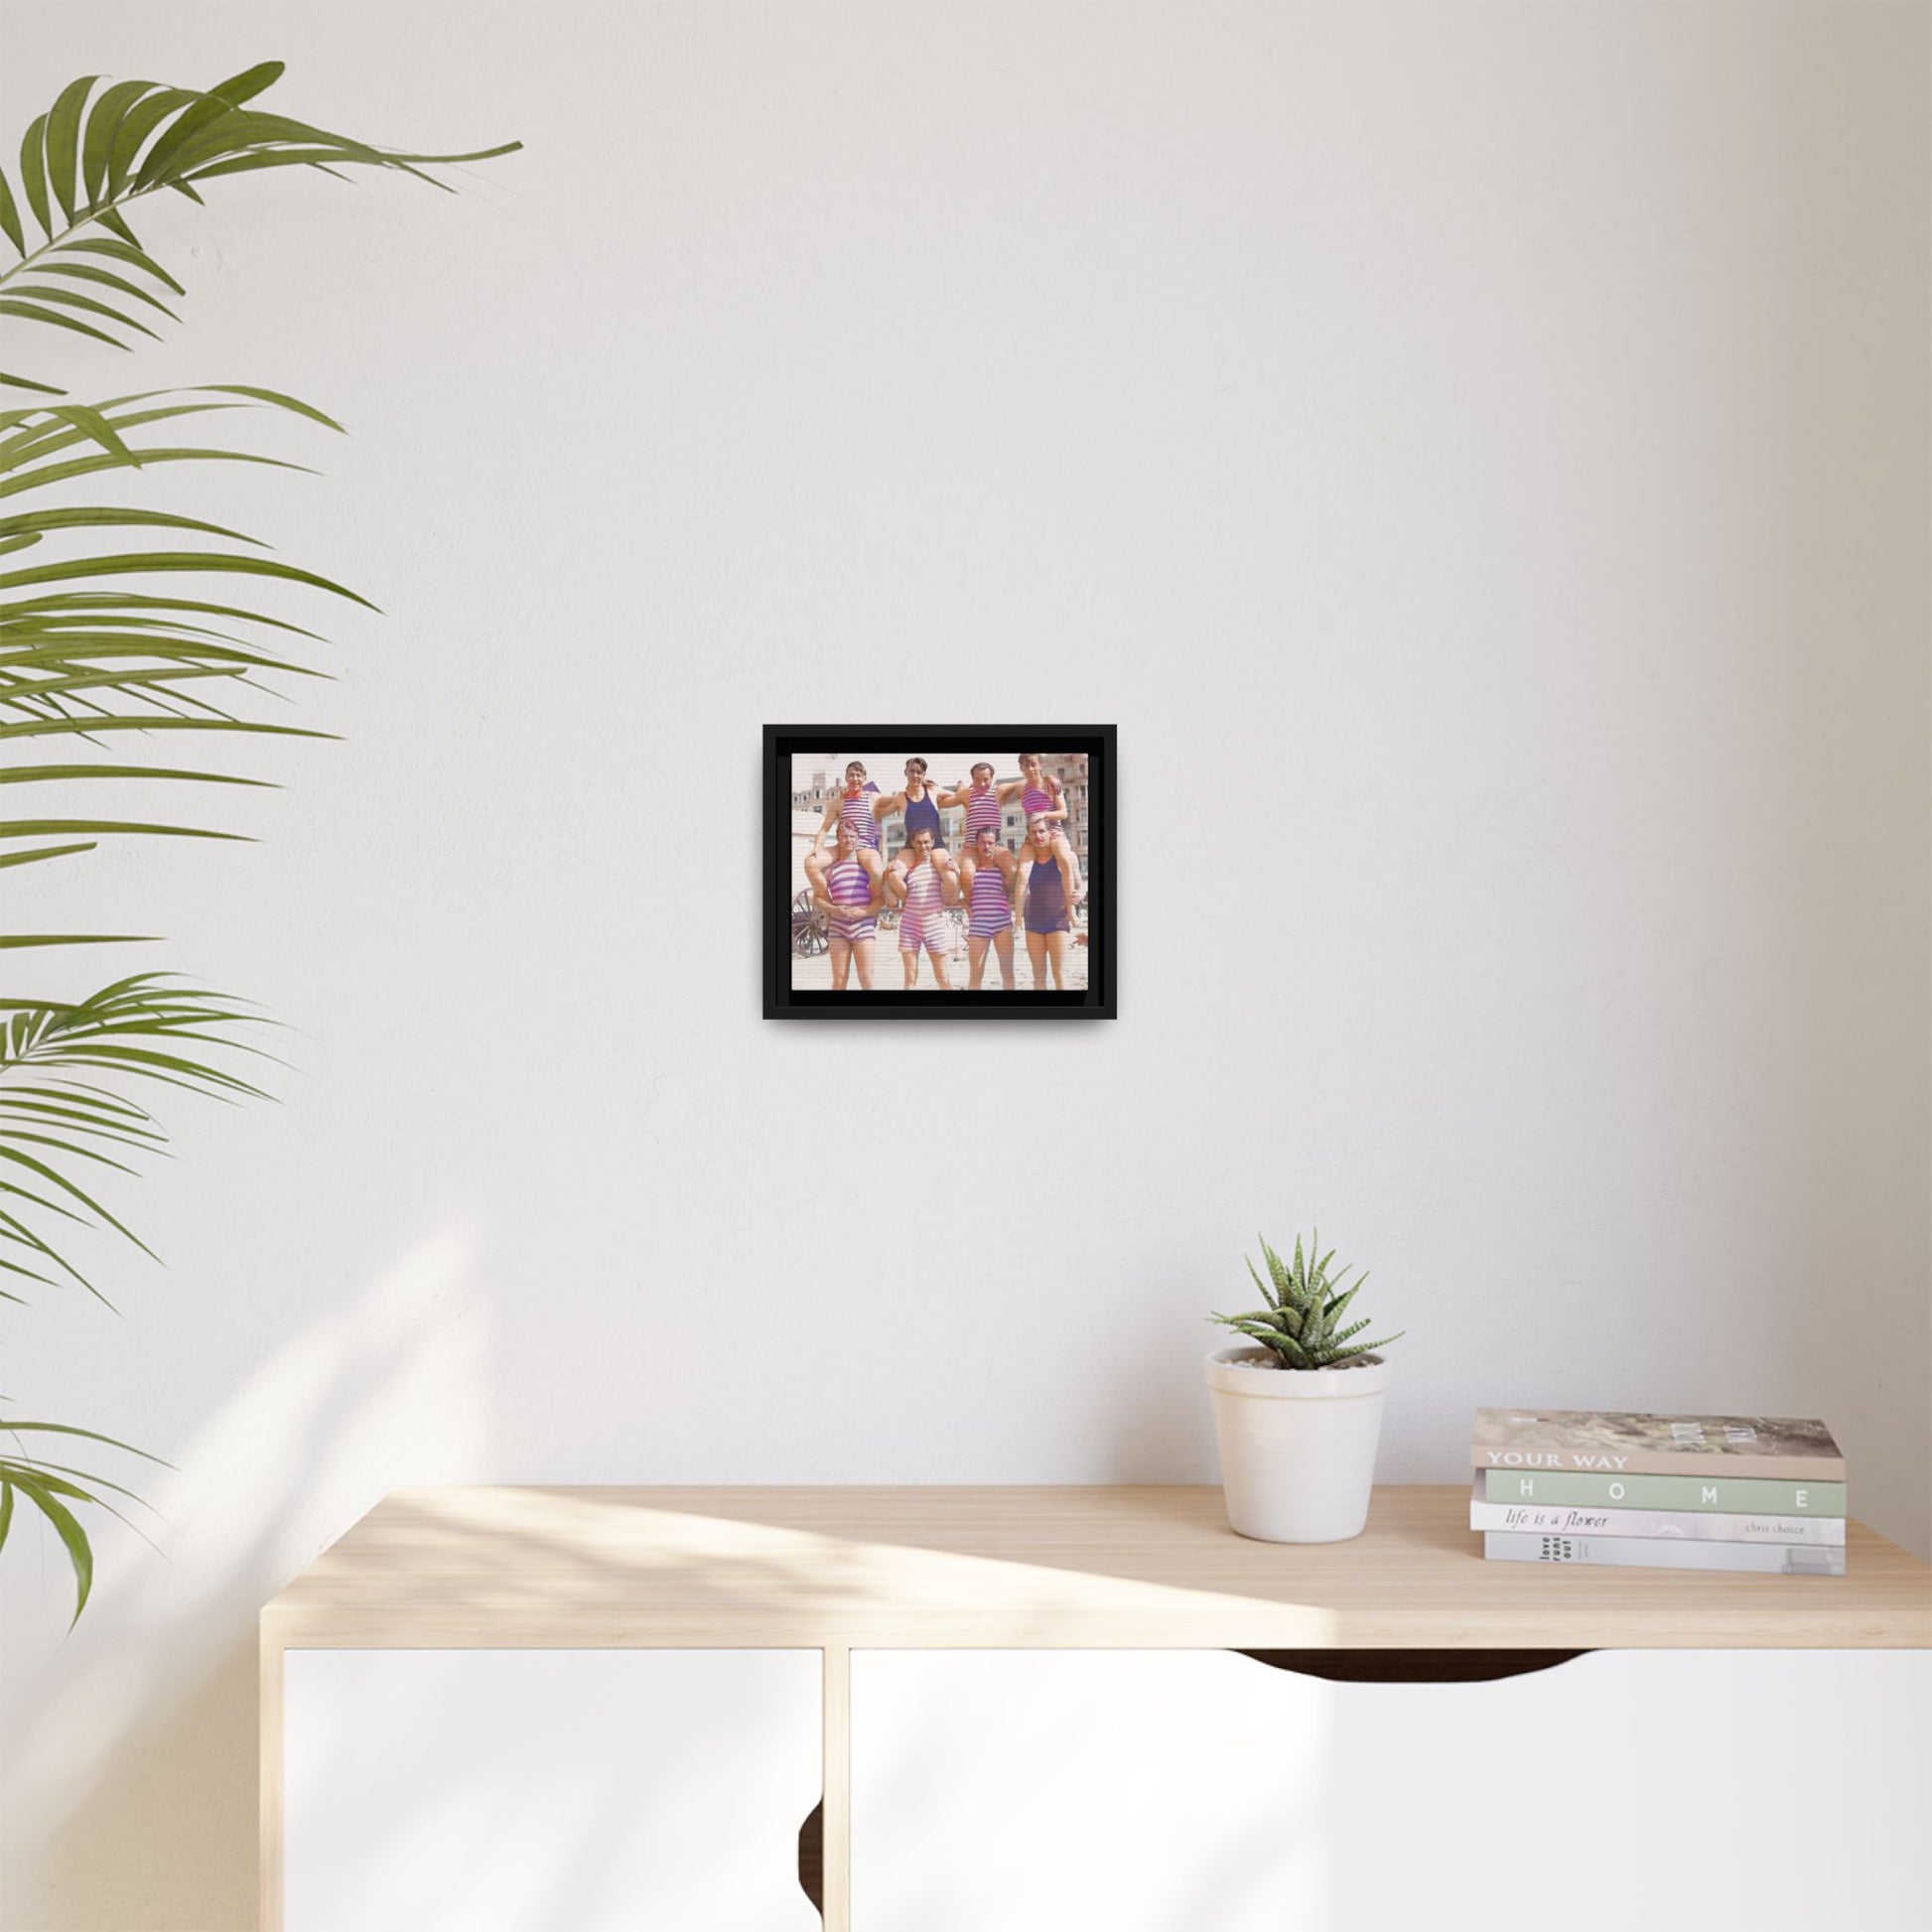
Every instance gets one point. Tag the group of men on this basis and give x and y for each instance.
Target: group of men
(1035, 889)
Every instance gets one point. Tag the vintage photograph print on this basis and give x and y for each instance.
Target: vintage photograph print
(935, 869)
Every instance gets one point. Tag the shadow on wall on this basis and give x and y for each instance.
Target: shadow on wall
(138, 1813)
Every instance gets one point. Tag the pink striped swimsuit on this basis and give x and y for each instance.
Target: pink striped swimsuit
(982, 808)
(922, 921)
(990, 910)
(1033, 800)
(855, 814)
(847, 884)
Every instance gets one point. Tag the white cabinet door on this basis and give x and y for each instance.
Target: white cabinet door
(538, 1791)
(1201, 1791)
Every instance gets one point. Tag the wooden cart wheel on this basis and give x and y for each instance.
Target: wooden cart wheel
(809, 930)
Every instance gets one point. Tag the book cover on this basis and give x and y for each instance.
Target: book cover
(1738, 1495)
(1620, 1442)
(1682, 1525)
(1641, 1553)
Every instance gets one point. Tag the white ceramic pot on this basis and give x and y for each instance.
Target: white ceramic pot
(1298, 1446)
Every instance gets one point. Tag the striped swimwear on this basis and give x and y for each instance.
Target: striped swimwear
(1046, 897)
(990, 911)
(982, 808)
(855, 814)
(922, 921)
(846, 882)
(1033, 800)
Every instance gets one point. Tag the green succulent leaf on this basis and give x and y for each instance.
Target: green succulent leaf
(1303, 1323)
(1371, 1348)
(1268, 1293)
(1284, 1285)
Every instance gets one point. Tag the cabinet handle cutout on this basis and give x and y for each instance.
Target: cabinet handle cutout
(811, 1856)
(1413, 1665)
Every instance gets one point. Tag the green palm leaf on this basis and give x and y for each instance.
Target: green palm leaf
(82, 165)
(39, 1489)
(145, 1027)
(80, 656)
(51, 1487)
(96, 643)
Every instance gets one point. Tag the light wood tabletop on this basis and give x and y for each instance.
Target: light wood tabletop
(838, 1570)
(1047, 1566)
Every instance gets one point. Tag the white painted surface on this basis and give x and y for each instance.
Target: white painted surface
(538, 1791)
(1177, 1791)
(1297, 1449)
(1476, 453)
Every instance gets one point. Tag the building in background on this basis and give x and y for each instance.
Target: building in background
(812, 797)
(1070, 769)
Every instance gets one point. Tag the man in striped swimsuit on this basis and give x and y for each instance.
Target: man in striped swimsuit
(850, 810)
(995, 876)
(922, 892)
(920, 802)
(1040, 797)
(857, 805)
(983, 802)
(850, 891)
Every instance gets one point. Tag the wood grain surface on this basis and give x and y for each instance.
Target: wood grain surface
(848, 1568)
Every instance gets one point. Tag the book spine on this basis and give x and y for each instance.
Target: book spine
(1690, 1525)
(1641, 1553)
(1659, 1463)
(1734, 1495)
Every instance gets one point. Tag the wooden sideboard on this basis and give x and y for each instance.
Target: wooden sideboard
(844, 1571)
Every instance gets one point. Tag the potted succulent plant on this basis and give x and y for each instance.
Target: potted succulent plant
(1296, 1415)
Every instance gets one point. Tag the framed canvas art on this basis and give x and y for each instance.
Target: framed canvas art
(939, 869)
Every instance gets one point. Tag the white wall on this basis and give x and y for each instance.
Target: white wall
(1477, 455)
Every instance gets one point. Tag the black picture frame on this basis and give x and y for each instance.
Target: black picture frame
(837, 742)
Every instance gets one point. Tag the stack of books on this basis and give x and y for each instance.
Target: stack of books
(1661, 1492)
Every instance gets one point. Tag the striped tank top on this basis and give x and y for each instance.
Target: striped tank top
(1033, 800)
(990, 912)
(855, 814)
(1046, 897)
(848, 884)
(982, 808)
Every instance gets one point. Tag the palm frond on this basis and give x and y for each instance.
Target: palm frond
(82, 654)
(109, 644)
(53, 1487)
(95, 154)
(54, 1113)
